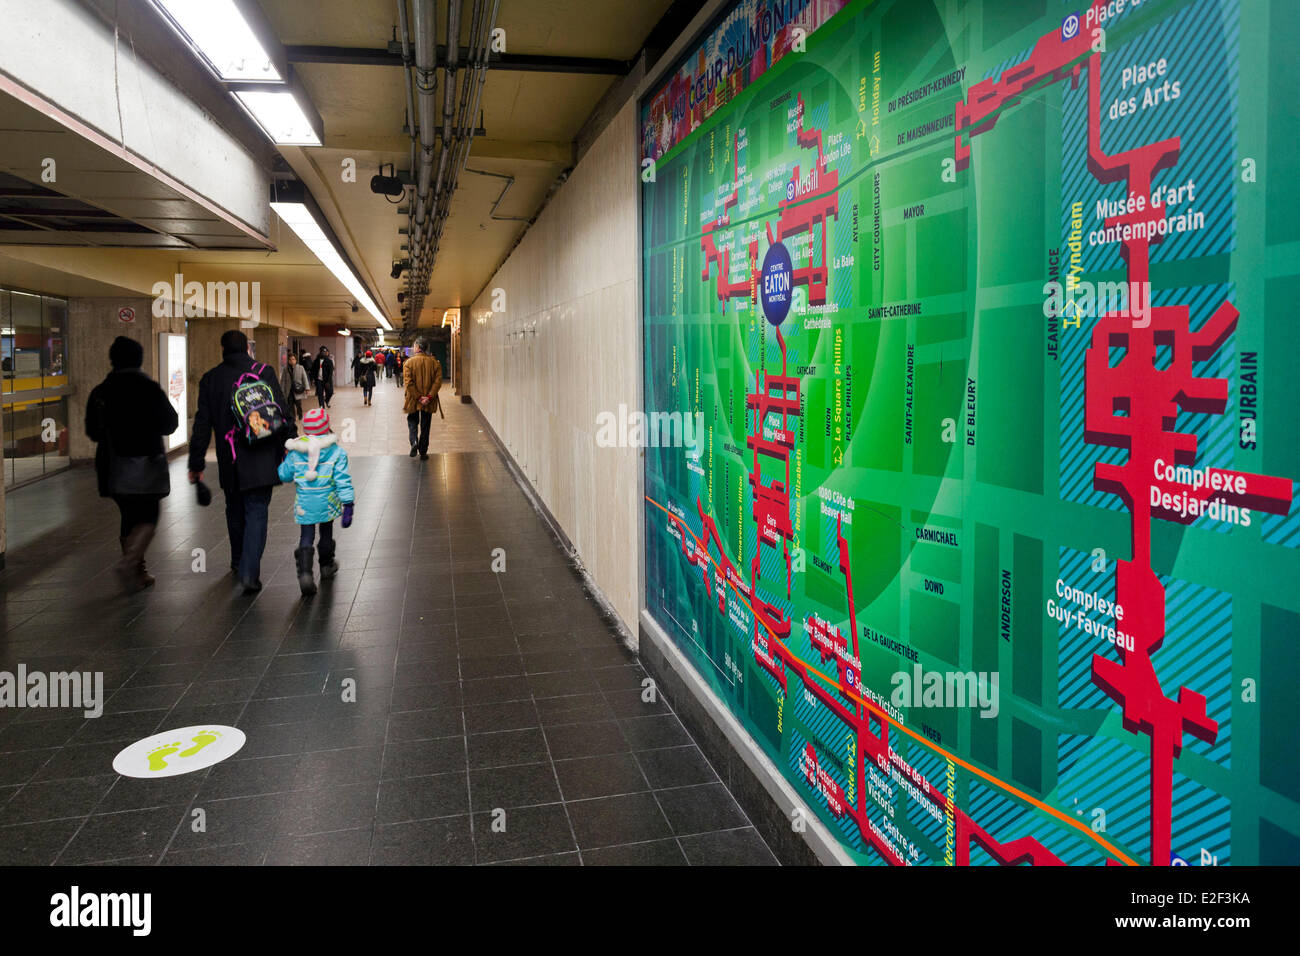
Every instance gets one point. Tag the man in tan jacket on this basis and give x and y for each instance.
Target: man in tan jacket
(422, 377)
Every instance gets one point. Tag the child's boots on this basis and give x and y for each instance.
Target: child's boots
(327, 563)
(306, 581)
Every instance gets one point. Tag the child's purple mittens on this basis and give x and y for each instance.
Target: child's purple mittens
(347, 515)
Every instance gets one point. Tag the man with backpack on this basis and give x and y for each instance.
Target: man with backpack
(241, 402)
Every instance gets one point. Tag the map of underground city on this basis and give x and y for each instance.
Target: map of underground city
(971, 369)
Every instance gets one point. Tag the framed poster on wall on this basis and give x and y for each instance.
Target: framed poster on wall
(172, 358)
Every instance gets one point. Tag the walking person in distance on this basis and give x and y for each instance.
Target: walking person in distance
(324, 378)
(295, 385)
(422, 378)
(369, 372)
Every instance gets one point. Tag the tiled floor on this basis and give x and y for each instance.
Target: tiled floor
(482, 698)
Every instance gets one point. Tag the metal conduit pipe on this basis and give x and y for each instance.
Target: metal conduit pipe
(421, 233)
(457, 139)
(510, 181)
(426, 86)
(478, 65)
(410, 106)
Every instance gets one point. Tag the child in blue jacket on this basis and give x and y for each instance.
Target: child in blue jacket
(318, 467)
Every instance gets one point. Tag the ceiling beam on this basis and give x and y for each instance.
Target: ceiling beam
(517, 62)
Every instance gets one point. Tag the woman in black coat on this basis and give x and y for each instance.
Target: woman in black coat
(128, 415)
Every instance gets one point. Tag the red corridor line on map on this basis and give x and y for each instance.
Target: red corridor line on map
(879, 714)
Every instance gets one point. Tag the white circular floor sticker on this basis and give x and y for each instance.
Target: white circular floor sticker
(174, 752)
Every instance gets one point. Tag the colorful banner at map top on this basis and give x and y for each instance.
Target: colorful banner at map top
(752, 36)
(990, 538)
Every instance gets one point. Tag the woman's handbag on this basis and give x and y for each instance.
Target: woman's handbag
(138, 475)
(134, 474)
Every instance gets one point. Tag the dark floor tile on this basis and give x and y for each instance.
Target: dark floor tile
(494, 690)
(130, 793)
(506, 748)
(339, 848)
(35, 844)
(116, 835)
(247, 778)
(124, 727)
(127, 700)
(576, 709)
(506, 715)
(632, 703)
(651, 853)
(563, 684)
(285, 710)
(424, 843)
(568, 741)
(420, 798)
(611, 821)
(218, 692)
(701, 809)
(237, 854)
(524, 832)
(420, 758)
(652, 733)
(55, 799)
(519, 786)
(425, 696)
(426, 724)
(676, 767)
(339, 733)
(743, 847)
(334, 768)
(603, 776)
(73, 760)
(329, 809)
(554, 859)
(38, 735)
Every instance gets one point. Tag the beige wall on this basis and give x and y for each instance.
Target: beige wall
(564, 349)
(93, 324)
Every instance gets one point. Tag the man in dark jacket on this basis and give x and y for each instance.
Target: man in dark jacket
(247, 472)
(324, 378)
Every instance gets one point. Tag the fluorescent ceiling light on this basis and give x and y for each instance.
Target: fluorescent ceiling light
(299, 218)
(280, 115)
(226, 40)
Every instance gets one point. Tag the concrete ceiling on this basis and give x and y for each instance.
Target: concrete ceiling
(531, 120)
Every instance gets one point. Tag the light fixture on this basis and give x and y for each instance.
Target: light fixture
(231, 37)
(284, 113)
(345, 331)
(299, 218)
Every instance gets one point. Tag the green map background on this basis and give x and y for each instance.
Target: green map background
(976, 261)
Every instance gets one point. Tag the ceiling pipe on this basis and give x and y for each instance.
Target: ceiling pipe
(475, 78)
(457, 136)
(426, 84)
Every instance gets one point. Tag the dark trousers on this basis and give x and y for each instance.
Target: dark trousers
(417, 424)
(295, 404)
(367, 391)
(246, 523)
(324, 392)
(307, 533)
(137, 510)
